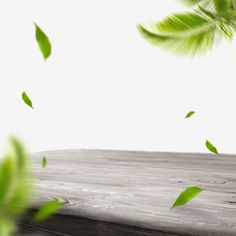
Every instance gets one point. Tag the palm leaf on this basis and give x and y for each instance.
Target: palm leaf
(183, 33)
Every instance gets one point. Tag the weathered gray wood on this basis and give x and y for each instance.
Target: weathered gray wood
(130, 193)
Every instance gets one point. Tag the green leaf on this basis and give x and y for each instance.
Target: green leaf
(23, 182)
(26, 99)
(43, 42)
(47, 210)
(183, 33)
(191, 113)
(186, 196)
(211, 147)
(8, 171)
(16, 185)
(44, 162)
(7, 227)
(20, 153)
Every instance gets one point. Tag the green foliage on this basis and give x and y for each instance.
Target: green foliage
(186, 196)
(189, 114)
(222, 6)
(26, 99)
(211, 147)
(43, 42)
(44, 162)
(16, 186)
(195, 32)
(186, 33)
(47, 210)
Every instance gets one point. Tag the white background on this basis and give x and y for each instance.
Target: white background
(104, 86)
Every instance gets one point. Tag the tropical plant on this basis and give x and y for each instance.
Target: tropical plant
(193, 32)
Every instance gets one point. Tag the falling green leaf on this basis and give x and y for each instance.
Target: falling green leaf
(186, 196)
(43, 42)
(190, 114)
(47, 210)
(26, 99)
(211, 147)
(44, 162)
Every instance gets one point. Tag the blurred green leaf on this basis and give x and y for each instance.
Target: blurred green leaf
(47, 210)
(16, 186)
(43, 42)
(190, 114)
(7, 177)
(44, 162)
(26, 99)
(196, 31)
(222, 6)
(18, 150)
(211, 147)
(186, 196)
(182, 33)
(7, 227)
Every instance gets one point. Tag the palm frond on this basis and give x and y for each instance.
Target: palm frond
(183, 33)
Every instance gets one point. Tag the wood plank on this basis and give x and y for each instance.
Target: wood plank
(130, 193)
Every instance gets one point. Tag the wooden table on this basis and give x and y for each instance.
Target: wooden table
(130, 193)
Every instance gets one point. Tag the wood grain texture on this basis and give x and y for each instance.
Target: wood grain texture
(130, 193)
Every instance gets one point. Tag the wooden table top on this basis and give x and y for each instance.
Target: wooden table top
(131, 193)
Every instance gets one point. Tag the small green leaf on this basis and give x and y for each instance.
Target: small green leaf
(44, 162)
(26, 99)
(47, 210)
(190, 114)
(43, 42)
(211, 147)
(186, 196)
